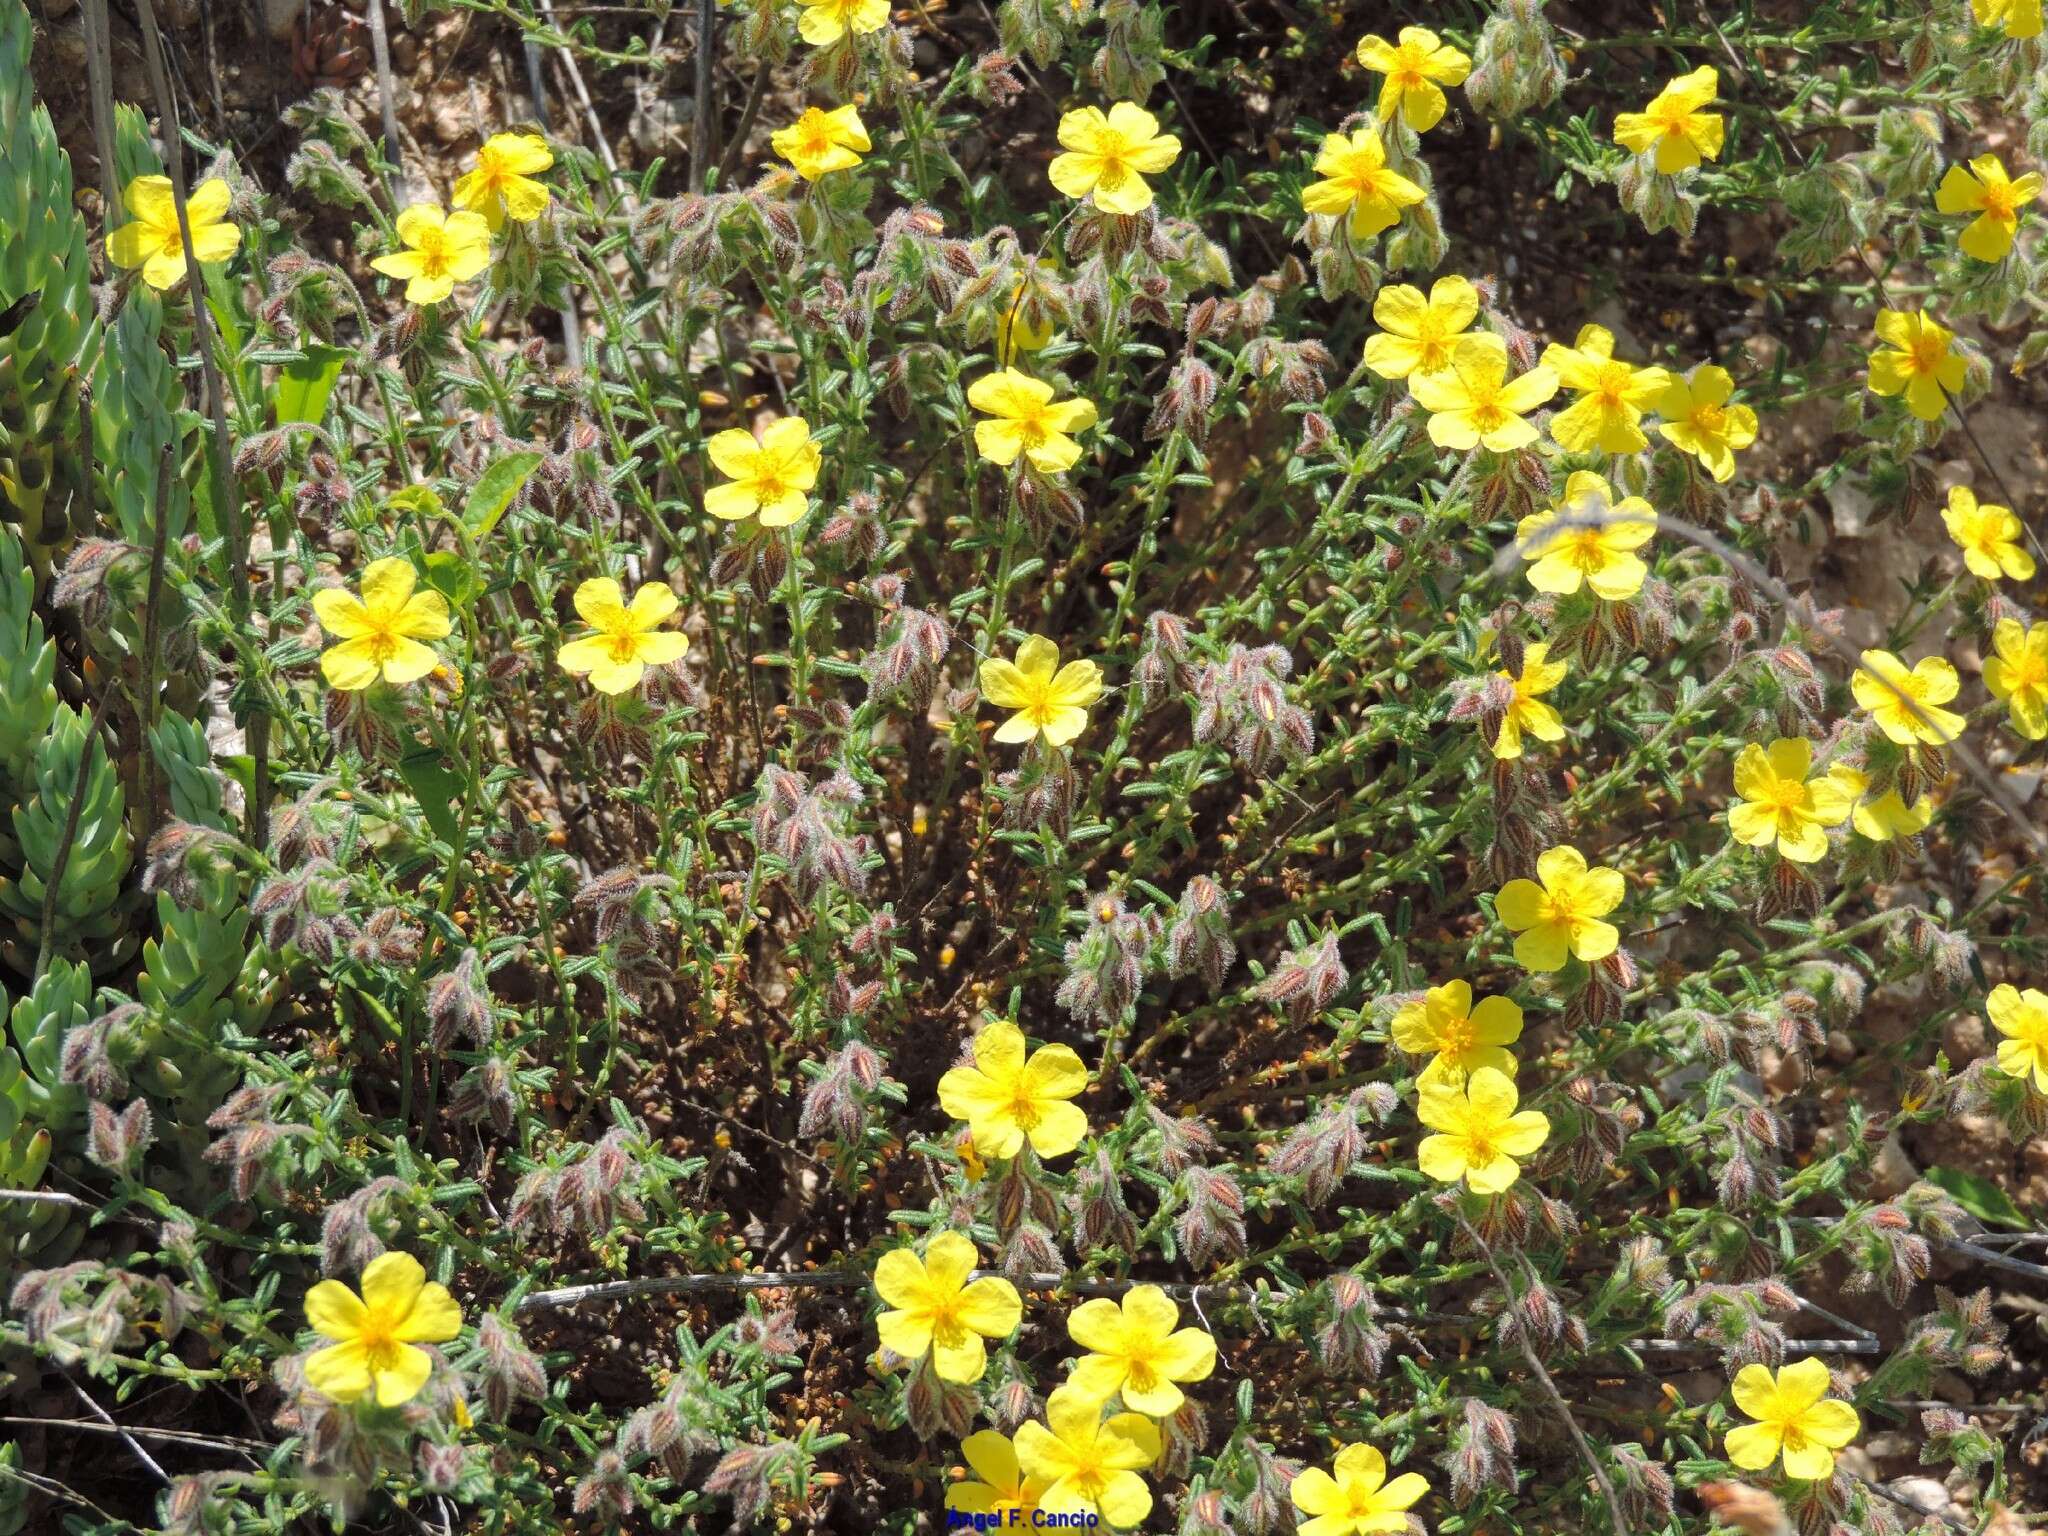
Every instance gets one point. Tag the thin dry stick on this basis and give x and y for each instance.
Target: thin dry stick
(572, 331)
(1585, 1446)
(134, 1445)
(1194, 1294)
(224, 486)
(702, 146)
(582, 94)
(730, 160)
(387, 90)
(47, 1197)
(99, 73)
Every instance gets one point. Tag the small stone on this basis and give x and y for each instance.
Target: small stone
(1925, 1495)
(1963, 1038)
(279, 16)
(1892, 1171)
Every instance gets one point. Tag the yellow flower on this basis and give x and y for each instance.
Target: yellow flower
(2017, 672)
(1699, 420)
(2022, 1017)
(375, 1334)
(769, 477)
(1988, 535)
(1007, 1100)
(1562, 915)
(629, 638)
(1457, 1037)
(1090, 1464)
(2020, 18)
(150, 240)
(972, 1165)
(1478, 1132)
(1602, 555)
(935, 1307)
(1920, 362)
(1416, 334)
(1027, 420)
(819, 142)
(1358, 1500)
(441, 251)
(1673, 124)
(826, 21)
(502, 183)
(1111, 156)
(1472, 402)
(1050, 700)
(1983, 188)
(1886, 817)
(1794, 1415)
(1777, 803)
(1004, 1492)
(1415, 69)
(1138, 1351)
(380, 632)
(1356, 181)
(1024, 323)
(1903, 703)
(1608, 415)
(1528, 714)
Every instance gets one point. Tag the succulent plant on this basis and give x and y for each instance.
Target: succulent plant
(49, 337)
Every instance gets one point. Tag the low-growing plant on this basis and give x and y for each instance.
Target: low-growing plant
(1104, 779)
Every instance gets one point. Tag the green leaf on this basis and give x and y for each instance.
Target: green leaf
(306, 385)
(436, 787)
(453, 577)
(1980, 1197)
(494, 490)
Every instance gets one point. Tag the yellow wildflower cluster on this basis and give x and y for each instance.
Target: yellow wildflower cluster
(1086, 1456)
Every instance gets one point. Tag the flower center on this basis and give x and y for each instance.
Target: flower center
(383, 643)
(1589, 550)
(1709, 418)
(1024, 1110)
(1032, 426)
(1786, 795)
(1999, 201)
(1672, 121)
(2030, 671)
(435, 251)
(1114, 172)
(1928, 352)
(1456, 1037)
(1610, 385)
(1486, 411)
(944, 1316)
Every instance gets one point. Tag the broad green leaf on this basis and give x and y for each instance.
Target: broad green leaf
(494, 490)
(305, 386)
(436, 787)
(453, 577)
(1980, 1197)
